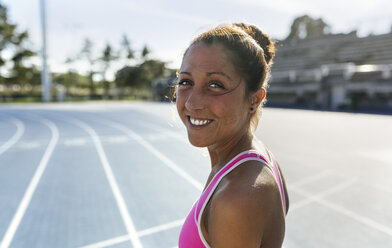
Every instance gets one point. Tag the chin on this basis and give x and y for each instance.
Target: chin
(197, 142)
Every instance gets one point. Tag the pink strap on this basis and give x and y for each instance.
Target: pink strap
(279, 179)
(239, 159)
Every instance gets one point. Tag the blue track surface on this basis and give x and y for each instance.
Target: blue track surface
(124, 175)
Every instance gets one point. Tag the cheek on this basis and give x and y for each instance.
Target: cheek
(231, 112)
(180, 102)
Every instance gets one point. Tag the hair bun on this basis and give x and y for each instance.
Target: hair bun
(261, 38)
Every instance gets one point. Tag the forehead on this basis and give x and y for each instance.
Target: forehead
(207, 58)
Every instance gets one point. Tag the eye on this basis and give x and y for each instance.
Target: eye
(216, 85)
(184, 82)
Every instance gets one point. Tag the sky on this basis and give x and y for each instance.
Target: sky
(167, 26)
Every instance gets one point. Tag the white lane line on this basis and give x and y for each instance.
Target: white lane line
(142, 233)
(17, 135)
(7, 239)
(319, 195)
(28, 145)
(311, 178)
(157, 153)
(113, 139)
(160, 130)
(113, 184)
(357, 217)
(116, 139)
(161, 228)
(109, 242)
(75, 142)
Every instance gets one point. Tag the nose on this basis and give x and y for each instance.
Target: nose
(195, 100)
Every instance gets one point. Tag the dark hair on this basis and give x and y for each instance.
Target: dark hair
(250, 50)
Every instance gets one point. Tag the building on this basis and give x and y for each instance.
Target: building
(334, 71)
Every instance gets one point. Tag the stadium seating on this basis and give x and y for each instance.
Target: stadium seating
(332, 66)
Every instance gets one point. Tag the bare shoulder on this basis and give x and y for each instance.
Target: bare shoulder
(251, 181)
(246, 209)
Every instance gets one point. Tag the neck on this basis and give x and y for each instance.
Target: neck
(223, 153)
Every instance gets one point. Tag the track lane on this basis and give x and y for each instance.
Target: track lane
(13, 226)
(20, 128)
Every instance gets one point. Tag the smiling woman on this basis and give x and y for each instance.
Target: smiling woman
(221, 88)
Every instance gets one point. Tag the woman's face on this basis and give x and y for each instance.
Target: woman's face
(211, 97)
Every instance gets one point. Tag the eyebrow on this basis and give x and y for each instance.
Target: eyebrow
(219, 73)
(209, 74)
(185, 72)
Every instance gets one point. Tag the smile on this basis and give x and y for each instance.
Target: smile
(199, 122)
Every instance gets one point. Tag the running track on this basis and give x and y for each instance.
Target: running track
(124, 175)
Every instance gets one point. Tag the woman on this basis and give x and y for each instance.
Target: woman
(222, 85)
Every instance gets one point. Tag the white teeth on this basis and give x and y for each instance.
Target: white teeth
(199, 122)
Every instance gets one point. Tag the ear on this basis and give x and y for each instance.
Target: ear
(256, 99)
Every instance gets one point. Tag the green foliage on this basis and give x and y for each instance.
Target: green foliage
(126, 47)
(107, 57)
(13, 52)
(7, 30)
(77, 87)
(145, 52)
(138, 76)
(86, 53)
(151, 70)
(128, 76)
(108, 54)
(142, 75)
(24, 76)
(71, 79)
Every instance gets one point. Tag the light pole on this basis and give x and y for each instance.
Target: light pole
(45, 79)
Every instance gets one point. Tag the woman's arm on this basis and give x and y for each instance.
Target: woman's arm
(243, 216)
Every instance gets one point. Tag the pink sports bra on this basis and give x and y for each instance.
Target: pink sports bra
(191, 235)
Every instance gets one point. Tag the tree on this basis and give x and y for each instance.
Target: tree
(107, 58)
(142, 75)
(13, 52)
(150, 70)
(306, 27)
(126, 48)
(67, 80)
(87, 53)
(145, 52)
(7, 32)
(127, 77)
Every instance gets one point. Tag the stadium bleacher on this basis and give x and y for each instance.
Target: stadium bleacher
(334, 71)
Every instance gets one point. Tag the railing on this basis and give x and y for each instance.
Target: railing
(346, 70)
